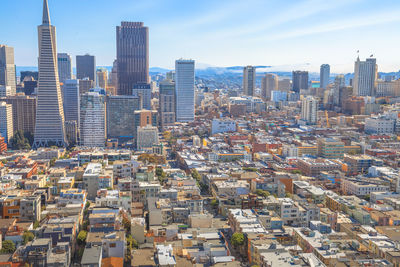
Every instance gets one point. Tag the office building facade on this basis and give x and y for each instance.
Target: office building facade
(102, 78)
(143, 91)
(167, 103)
(7, 68)
(184, 90)
(299, 80)
(71, 100)
(309, 108)
(132, 56)
(365, 77)
(86, 67)
(49, 127)
(64, 67)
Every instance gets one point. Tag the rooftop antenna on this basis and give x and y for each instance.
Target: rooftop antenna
(358, 54)
(371, 55)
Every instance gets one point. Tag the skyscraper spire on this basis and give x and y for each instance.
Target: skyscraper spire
(46, 14)
(49, 128)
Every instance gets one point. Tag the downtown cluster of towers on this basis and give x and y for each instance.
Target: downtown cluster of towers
(67, 107)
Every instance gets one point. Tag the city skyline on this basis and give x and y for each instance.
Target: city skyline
(297, 35)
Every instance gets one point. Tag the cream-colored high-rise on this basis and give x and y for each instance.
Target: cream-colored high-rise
(49, 128)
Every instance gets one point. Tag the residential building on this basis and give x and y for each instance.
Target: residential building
(121, 116)
(184, 90)
(249, 80)
(269, 83)
(379, 125)
(309, 108)
(324, 73)
(95, 178)
(222, 126)
(144, 118)
(314, 167)
(6, 122)
(92, 117)
(24, 112)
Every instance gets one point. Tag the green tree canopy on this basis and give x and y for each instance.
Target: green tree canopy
(8, 247)
(237, 239)
(82, 237)
(20, 141)
(27, 236)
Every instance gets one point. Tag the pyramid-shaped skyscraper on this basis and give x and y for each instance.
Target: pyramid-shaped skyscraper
(49, 128)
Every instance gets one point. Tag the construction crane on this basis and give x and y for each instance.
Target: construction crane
(327, 119)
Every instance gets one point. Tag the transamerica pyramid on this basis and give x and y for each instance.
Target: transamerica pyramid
(49, 128)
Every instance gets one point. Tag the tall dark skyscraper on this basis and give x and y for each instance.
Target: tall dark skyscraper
(49, 128)
(132, 56)
(86, 67)
(300, 80)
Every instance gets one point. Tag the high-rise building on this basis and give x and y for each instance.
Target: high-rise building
(269, 83)
(184, 90)
(324, 73)
(64, 67)
(167, 103)
(30, 85)
(121, 116)
(338, 83)
(300, 80)
(143, 91)
(24, 112)
(92, 116)
(86, 67)
(102, 78)
(7, 68)
(6, 121)
(49, 127)
(71, 131)
(365, 76)
(132, 56)
(5, 90)
(85, 85)
(309, 108)
(71, 100)
(147, 137)
(249, 80)
(144, 117)
(285, 85)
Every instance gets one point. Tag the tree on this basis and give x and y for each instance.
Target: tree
(196, 175)
(237, 239)
(127, 224)
(214, 203)
(53, 162)
(8, 247)
(19, 141)
(82, 237)
(36, 224)
(27, 236)
(262, 193)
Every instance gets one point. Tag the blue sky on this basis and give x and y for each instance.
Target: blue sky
(288, 34)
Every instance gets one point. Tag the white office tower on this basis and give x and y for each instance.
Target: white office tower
(147, 137)
(6, 121)
(5, 90)
(365, 76)
(184, 90)
(64, 67)
(93, 123)
(249, 80)
(49, 128)
(309, 108)
(7, 68)
(325, 72)
(71, 100)
(269, 83)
